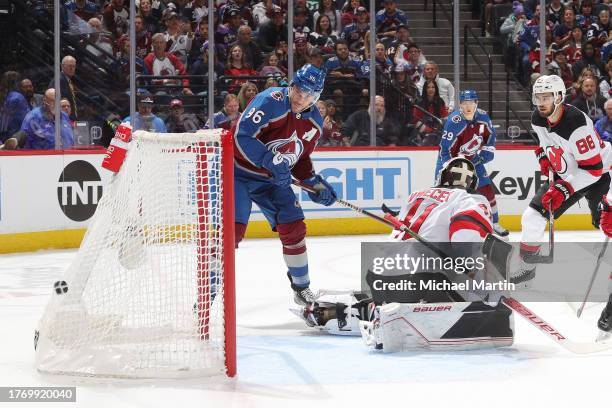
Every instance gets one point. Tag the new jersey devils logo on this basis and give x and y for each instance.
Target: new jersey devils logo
(471, 147)
(555, 156)
(289, 149)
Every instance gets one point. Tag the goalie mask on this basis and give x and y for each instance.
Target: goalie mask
(458, 172)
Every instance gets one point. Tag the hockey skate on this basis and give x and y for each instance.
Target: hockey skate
(500, 231)
(605, 322)
(302, 296)
(523, 275)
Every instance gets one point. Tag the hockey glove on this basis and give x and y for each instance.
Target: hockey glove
(279, 168)
(543, 161)
(557, 194)
(605, 217)
(325, 194)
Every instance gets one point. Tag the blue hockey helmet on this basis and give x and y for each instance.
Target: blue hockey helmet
(468, 95)
(310, 79)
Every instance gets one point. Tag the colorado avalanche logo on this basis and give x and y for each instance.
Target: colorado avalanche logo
(289, 149)
(471, 147)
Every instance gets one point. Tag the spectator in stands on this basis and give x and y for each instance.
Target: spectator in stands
(529, 38)
(575, 91)
(252, 53)
(199, 38)
(68, 87)
(13, 105)
(246, 13)
(227, 33)
(248, 90)
(597, 33)
(605, 85)
(562, 34)
(178, 43)
(575, 46)
(98, 44)
(585, 17)
(354, 33)
(228, 116)
(323, 37)
(84, 9)
(38, 126)
(27, 90)
(328, 8)
(332, 111)
(589, 59)
(383, 63)
(350, 7)
(300, 51)
(200, 66)
(302, 6)
(65, 106)
(262, 11)
(149, 21)
(143, 38)
(144, 118)
(400, 44)
(589, 101)
(342, 65)
(271, 32)
(357, 126)
(282, 52)
(237, 66)
(446, 90)
(604, 124)
(606, 49)
(161, 63)
(180, 122)
(559, 65)
(555, 12)
(115, 18)
(511, 28)
(428, 127)
(300, 26)
(414, 65)
(402, 82)
(331, 136)
(388, 19)
(270, 66)
(195, 11)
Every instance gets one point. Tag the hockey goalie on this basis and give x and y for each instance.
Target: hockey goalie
(455, 219)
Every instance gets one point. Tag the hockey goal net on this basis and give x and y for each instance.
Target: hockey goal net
(150, 293)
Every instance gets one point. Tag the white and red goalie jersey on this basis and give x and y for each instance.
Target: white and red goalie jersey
(443, 214)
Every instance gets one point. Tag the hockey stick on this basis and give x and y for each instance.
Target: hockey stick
(597, 265)
(388, 219)
(551, 332)
(546, 259)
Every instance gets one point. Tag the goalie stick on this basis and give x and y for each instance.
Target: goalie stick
(551, 332)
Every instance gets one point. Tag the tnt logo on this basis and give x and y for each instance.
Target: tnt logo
(79, 190)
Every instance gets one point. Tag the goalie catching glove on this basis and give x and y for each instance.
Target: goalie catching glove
(557, 194)
(325, 194)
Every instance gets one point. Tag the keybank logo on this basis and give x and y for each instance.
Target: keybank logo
(78, 190)
(521, 187)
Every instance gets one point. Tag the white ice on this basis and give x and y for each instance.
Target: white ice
(282, 363)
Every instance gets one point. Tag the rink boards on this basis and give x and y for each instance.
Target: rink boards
(48, 198)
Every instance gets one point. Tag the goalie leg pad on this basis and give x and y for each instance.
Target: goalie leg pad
(440, 326)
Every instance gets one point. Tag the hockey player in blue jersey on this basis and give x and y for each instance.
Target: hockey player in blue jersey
(468, 132)
(274, 138)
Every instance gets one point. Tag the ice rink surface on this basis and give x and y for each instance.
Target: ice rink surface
(282, 363)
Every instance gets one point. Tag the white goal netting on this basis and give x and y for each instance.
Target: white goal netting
(145, 296)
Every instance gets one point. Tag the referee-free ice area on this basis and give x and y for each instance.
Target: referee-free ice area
(283, 363)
